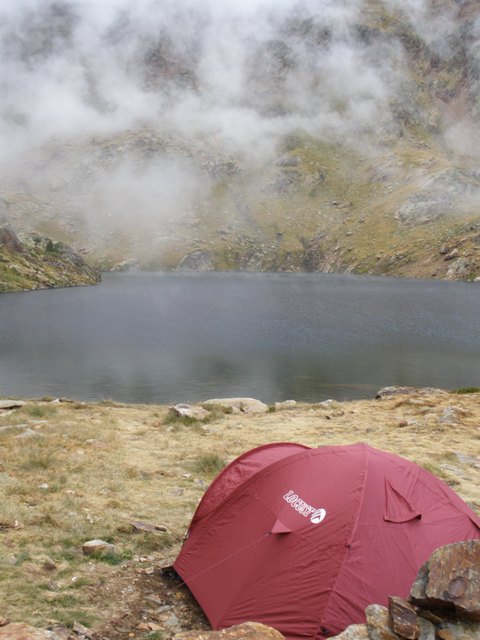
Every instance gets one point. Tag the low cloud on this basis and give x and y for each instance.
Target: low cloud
(234, 76)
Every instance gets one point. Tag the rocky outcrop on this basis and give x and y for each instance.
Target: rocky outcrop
(444, 602)
(38, 262)
(197, 261)
(441, 195)
(450, 581)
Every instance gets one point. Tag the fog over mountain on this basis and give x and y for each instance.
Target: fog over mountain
(237, 70)
(114, 112)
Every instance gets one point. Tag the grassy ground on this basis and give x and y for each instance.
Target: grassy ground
(71, 472)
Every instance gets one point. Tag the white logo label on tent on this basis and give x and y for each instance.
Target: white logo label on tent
(316, 515)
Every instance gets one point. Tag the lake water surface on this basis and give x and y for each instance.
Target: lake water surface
(189, 337)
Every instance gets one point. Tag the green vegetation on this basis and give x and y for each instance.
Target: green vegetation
(208, 464)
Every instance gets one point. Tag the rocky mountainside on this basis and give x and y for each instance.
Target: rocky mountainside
(325, 138)
(40, 263)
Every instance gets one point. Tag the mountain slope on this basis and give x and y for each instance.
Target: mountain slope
(325, 138)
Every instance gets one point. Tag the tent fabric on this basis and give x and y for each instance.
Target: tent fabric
(304, 539)
(243, 468)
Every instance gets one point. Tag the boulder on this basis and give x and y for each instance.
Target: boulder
(245, 631)
(11, 404)
(450, 581)
(188, 411)
(238, 405)
(97, 546)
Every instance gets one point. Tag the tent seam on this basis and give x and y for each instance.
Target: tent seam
(349, 539)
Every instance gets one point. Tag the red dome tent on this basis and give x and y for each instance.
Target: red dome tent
(304, 539)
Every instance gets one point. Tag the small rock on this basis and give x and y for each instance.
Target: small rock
(3, 621)
(172, 621)
(427, 629)
(189, 411)
(96, 546)
(44, 485)
(403, 618)
(48, 564)
(378, 626)
(326, 404)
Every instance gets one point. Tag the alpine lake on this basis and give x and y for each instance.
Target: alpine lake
(187, 337)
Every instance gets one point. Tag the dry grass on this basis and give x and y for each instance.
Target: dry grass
(71, 472)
